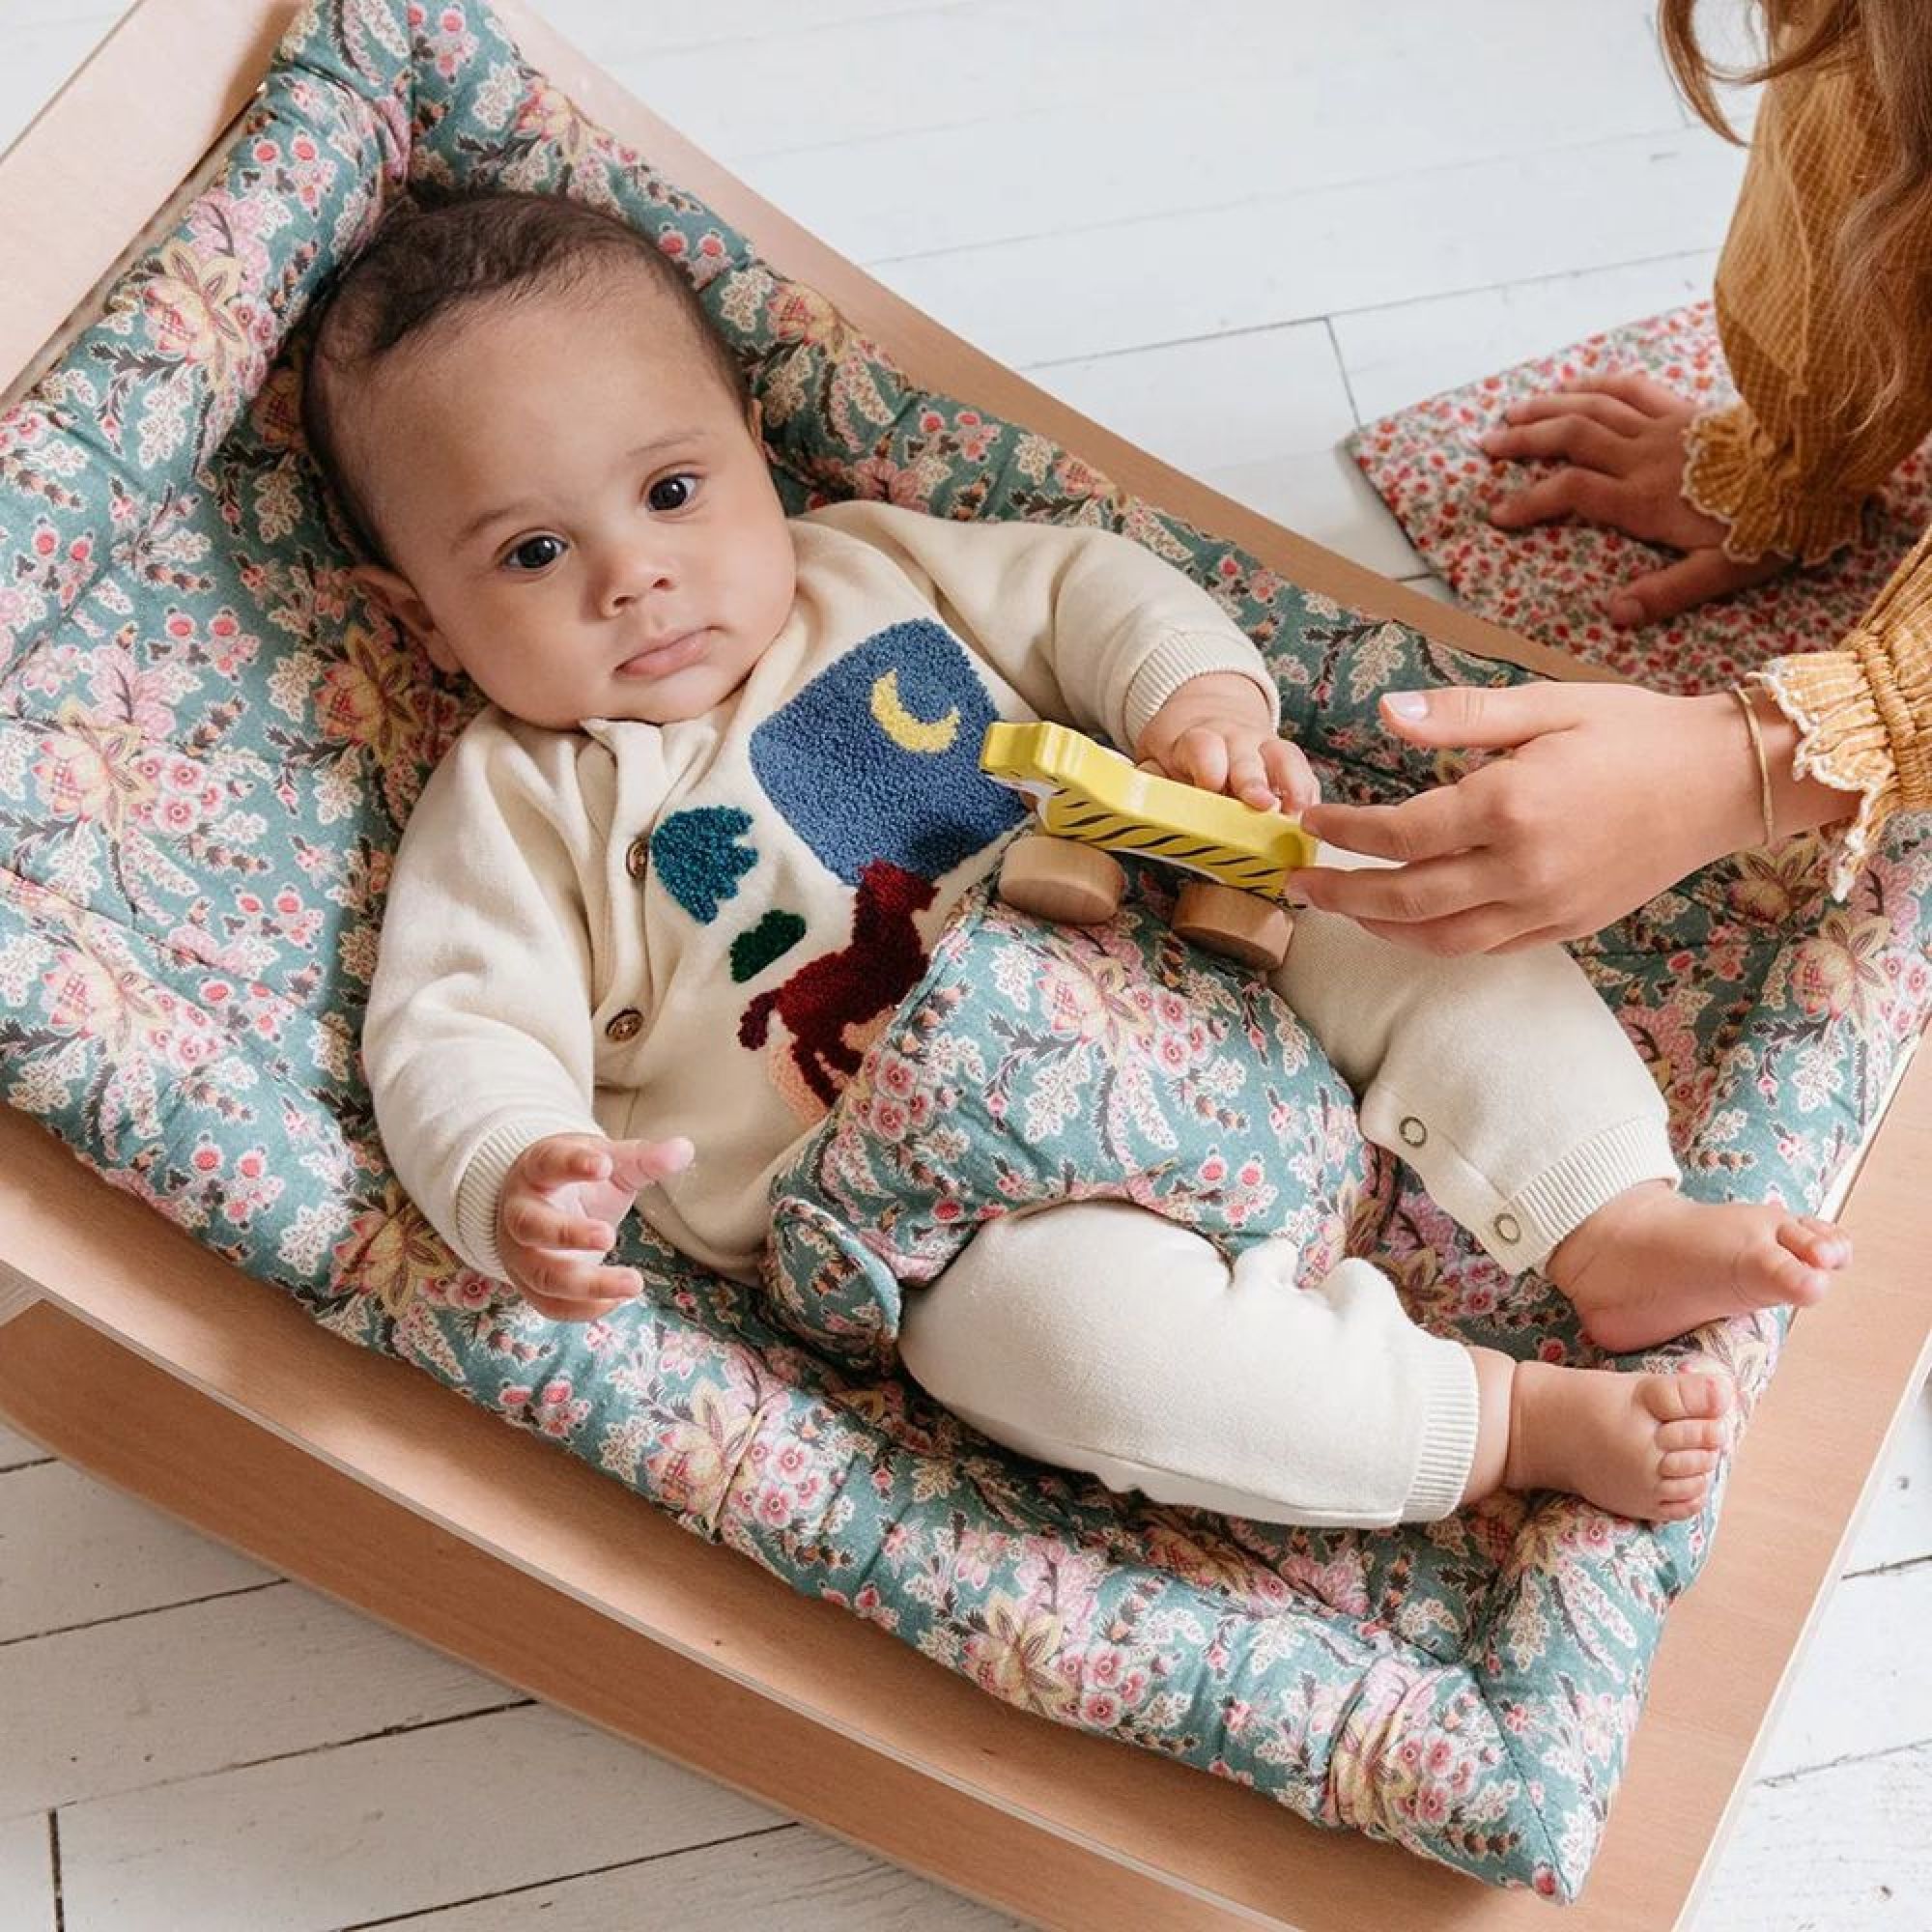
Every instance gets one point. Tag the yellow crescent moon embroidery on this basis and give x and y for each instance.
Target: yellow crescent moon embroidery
(907, 733)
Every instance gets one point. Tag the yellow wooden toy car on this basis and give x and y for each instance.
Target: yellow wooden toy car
(1087, 798)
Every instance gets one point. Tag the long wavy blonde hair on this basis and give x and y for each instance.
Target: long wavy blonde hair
(1886, 246)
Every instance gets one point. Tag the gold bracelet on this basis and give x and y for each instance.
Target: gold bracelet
(1762, 770)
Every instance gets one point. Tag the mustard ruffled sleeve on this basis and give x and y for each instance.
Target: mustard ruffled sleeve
(1863, 712)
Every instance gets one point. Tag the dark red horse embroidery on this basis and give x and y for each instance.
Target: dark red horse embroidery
(840, 989)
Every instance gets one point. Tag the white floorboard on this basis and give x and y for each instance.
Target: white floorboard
(26, 1874)
(1398, 353)
(204, 1686)
(794, 1879)
(1229, 231)
(396, 1824)
(74, 1553)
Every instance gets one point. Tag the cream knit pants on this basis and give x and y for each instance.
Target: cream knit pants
(1098, 1336)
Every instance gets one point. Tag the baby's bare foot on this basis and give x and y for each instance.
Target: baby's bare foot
(1643, 1446)
(1650, 1265)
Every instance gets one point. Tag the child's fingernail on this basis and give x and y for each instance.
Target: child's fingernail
(1488, 439)
(1626, 609)
(1410, 705)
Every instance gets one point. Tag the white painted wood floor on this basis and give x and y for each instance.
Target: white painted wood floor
(1229, 230)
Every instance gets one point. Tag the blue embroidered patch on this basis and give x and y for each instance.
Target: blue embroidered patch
(878, 757)
(697, 857)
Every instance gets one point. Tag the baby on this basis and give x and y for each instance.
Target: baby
(728, 753)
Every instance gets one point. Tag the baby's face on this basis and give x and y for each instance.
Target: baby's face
(577, 513)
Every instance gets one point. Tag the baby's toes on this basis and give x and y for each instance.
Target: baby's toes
(1683, 1488)
(1822, 1244)
(1689, 1397)
(1675, 1463)
(1783, 1266)
(1678, 1511)
(1695, 1432)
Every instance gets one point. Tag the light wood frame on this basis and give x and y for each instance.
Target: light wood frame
(134, 1354)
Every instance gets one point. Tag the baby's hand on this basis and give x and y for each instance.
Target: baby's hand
(1215, 732)
(557, 1217)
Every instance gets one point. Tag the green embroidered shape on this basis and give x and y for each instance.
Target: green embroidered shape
(774, 936)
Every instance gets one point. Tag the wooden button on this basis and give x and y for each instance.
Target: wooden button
(1412, 1131)
(638, 859)
(1508, 1228)
(627, 1025)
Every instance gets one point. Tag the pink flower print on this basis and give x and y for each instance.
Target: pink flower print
(1079, 479)
(89, 768)
(192, 310)
(551, 1411)
(883, 480)
(250, 1189)
(132, 1016)
(1840, 970)
(1094, 1002)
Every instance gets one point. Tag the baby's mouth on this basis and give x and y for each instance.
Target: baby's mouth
(659, 660)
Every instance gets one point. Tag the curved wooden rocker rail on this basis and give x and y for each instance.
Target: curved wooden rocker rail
(133, 1353)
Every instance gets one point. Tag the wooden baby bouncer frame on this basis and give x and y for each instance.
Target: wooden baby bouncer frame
(139, 1357)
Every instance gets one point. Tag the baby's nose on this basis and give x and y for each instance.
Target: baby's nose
(634, 572)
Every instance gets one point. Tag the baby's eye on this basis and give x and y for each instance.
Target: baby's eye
(671, 493)
(537, 553)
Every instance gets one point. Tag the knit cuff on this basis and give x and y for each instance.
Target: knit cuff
(1737, 474)
(481, 1187)
(1177, 660)
(1568, 1192)
(1451, 1412)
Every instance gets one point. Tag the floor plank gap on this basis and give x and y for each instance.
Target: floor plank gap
(1778, 1779)
(1347, 387)
(1522, 282)
(567, 1878)
(1893, 1569)
(1206, 210)
(54, 1869)
(149, 1610)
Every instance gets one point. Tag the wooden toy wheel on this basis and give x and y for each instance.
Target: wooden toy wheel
(1238, 926)
(1061, 879)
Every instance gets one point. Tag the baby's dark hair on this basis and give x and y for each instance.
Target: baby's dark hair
(444, 251)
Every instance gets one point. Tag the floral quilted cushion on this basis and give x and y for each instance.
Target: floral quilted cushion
(1037, 1062)
(208, 743)
(1553, 582)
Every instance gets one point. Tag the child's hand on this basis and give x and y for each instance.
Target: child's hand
(1215, 732)
(558, 1213)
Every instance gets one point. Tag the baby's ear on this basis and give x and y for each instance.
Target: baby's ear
(397, 595)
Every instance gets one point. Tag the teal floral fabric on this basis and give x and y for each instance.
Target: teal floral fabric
(208, 743)
(1036, 1064)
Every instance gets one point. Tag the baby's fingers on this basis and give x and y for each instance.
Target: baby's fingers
(1248, 776)
(1200, 756)
(1290, 775)
(635, 1164)
(536, 1223)
(570, 1290)
(560, 1158)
